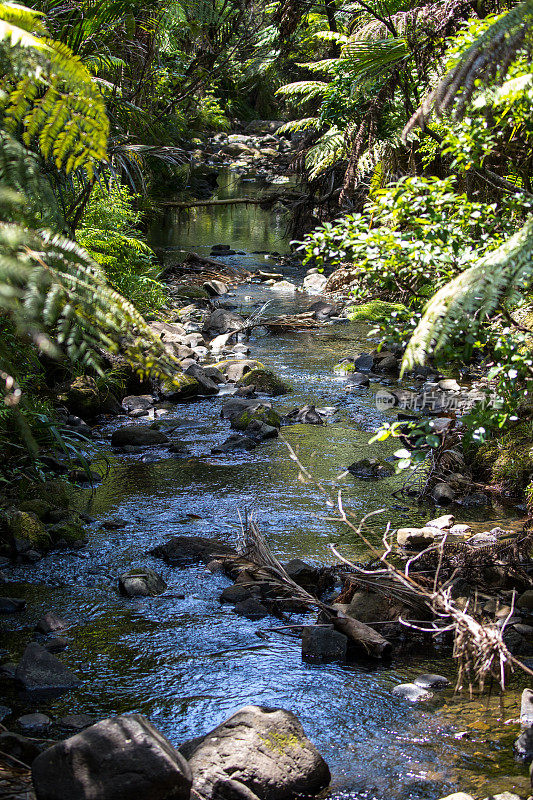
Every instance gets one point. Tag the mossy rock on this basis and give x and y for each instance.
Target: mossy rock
(180, 387)
(262, 414)
(191, 292)
(86, 399)
(60, 491)
(71, 531)
(41, 508)
(375, 311)
(265, 381)
(508, 460)
(20, 530)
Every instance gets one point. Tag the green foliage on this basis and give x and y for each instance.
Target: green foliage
(410, 239)
(49, 93)
(109, 233)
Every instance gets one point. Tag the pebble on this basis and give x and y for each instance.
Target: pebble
(411, 692)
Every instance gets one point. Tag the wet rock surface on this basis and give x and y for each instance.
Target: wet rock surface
(262, 750)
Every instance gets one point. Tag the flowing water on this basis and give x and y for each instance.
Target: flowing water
(189, 663)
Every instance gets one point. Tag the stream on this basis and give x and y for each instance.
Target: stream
(190, 663)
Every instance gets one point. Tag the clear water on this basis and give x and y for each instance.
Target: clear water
(188, 664)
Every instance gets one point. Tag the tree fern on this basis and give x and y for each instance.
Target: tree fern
(50, 95)
(498, 278)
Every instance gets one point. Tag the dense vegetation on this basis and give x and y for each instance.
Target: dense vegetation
(413, 123)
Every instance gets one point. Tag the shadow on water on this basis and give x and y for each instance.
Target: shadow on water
(189, 663)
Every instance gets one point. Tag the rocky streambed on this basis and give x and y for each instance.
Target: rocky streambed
(140, 633)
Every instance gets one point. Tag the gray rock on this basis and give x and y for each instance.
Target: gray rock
(526, 600)
(308, 415)
(51, 623)
(481, 539)
(448, 385)
(39, 670)
(430, 681)
(526, 708)
(120, 758)
(416, 538)
(388, 364)
(215, 288)
(141, 582)
(235, 442)
(11, 605)
(266, 753)
(207, 385)
(238, 592)
(251, 608)
(138, 436)
(261, 430)
(458, 796)
(301, 572)
(442, 523)
(34, 723)
(314, 284)
(443, 494)
(412, 692)
(222, 321)
(76, 722)
(56, 644)
(523, 746)
(322, 643)
(183, 550)
(233, 408)
(323, 310)
(141, 402)
(358, 379)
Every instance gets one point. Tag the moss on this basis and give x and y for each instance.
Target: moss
(508, 460)
(265, 381)
(72, 531)
(180, 387)
(375, 311)
(88, 399)
(22, 526)
(41, 508)
(280, 741)
(60, 491)
(266, 415)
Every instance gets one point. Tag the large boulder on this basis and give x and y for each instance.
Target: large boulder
(120, 758)
(39, 670)
(138, 436)
(21, 531)
(180, 388)
(265, 381)
(207, 385)
(182, 550)
(141, 582)
(85, 398)
(259, 754)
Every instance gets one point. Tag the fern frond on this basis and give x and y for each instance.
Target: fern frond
(325, 152)
(485, 62)
(475, 294)
(306, 90)
(295, 125)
